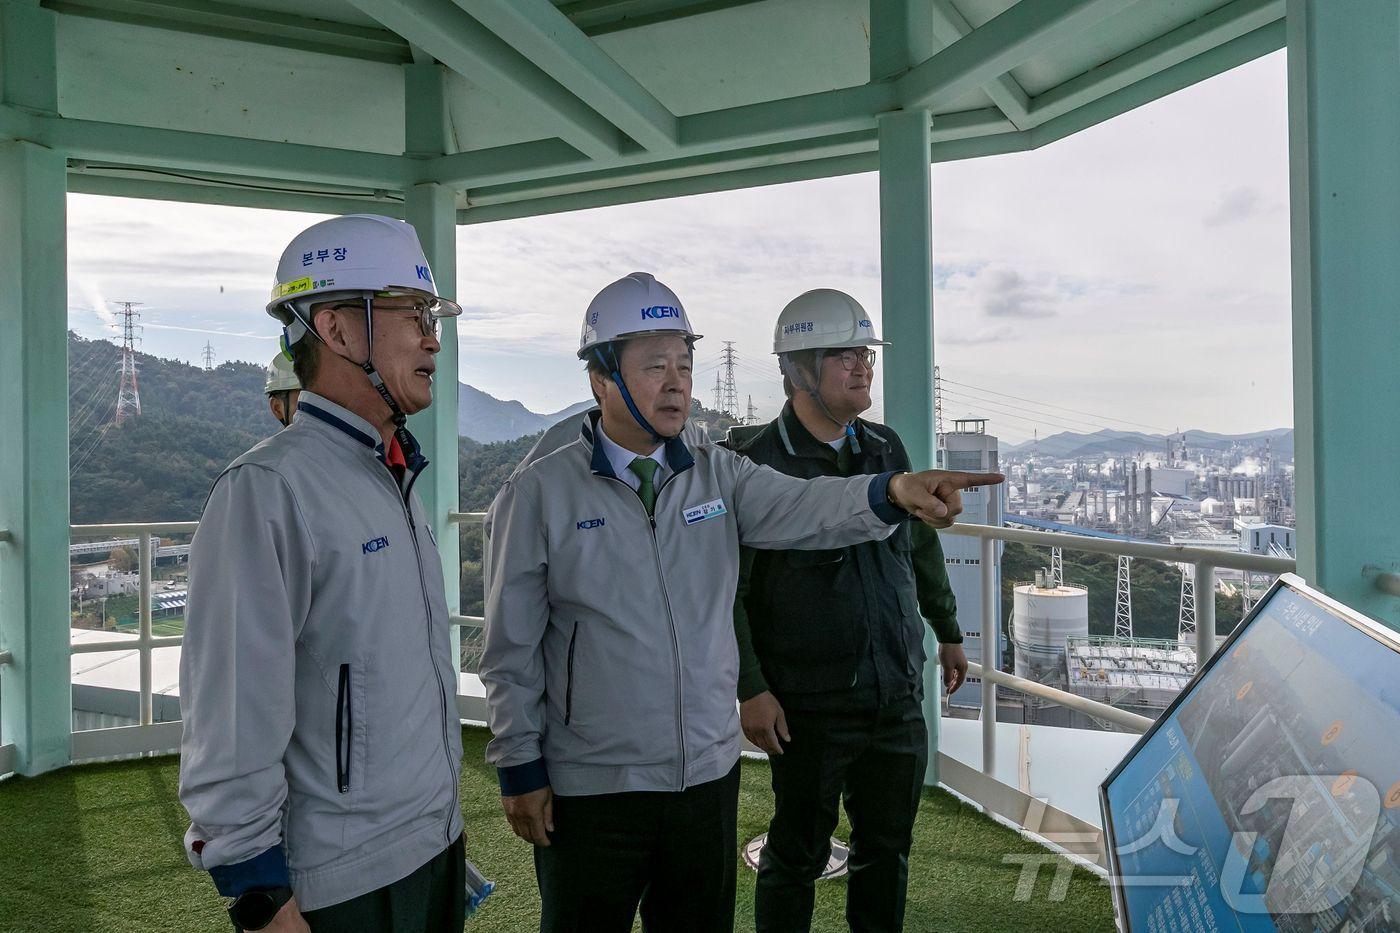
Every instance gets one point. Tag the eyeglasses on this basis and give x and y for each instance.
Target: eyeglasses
(848, 358)
(428, 313)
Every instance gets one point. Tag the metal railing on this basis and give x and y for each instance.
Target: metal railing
(1205, 561)
(471, 627)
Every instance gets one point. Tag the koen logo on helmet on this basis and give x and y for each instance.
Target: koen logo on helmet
(865, 323)
(424, 274)
(660, 311)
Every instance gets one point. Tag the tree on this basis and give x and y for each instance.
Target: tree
(122, 560)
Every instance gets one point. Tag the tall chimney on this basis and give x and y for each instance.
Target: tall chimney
(1147, 501)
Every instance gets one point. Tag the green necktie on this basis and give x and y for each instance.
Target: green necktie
(646, 468)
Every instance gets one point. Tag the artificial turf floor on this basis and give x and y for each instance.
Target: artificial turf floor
(98, 848)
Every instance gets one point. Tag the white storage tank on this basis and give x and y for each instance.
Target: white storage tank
(1043, 616)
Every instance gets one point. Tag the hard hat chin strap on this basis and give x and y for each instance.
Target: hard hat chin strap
(299, 327)
(799, 380)
(614, 368)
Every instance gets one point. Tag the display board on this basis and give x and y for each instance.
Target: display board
(1267, 797)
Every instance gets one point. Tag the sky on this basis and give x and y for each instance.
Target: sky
(1133, 276)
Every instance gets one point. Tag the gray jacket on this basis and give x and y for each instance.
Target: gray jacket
(321, 740)
(610, 663)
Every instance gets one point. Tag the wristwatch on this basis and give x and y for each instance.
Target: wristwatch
(254, 910)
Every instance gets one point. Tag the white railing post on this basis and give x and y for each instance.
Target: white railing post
(991, 643)
(146, 571)
(1205, 613)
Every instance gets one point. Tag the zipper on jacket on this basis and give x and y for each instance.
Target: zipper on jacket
(428, 618)
(670, 614)
(344, 728)
(569, 683)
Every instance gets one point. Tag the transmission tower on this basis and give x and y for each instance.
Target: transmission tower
(938, 404)
(752, 416)
(128, 398)
(730, 402)
(1186, 625)
(208, 357)
(719, 393)
(1123, 608)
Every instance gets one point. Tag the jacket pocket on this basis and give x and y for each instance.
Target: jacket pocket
(569, 682)
(344, 730)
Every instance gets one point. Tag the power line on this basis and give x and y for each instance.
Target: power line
(1060, 407)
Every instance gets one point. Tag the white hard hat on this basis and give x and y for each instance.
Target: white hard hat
(634, 306)
(280, 376)
(823, 319)
(357, 254)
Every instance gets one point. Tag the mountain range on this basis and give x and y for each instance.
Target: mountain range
(487, 419)
(1107, 443)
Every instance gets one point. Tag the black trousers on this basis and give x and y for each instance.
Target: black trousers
(873, 760)
(672, 853)
(431, 900)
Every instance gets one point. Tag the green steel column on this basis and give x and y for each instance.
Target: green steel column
(901, 36)
(35, 691)
(1344, 152)
(432, 209)
(906, 300)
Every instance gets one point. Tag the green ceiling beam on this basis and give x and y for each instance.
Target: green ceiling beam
(231, 196)
(950, 26)
(1222, 58)
(457, 40)
(679, 187)
(954, 127)
(596, 17)
(506, 164)
(811, 115)
(246, 24)
(996, 47)
(538, 31)
(673, 169)
(1186, 42)
(181, 150)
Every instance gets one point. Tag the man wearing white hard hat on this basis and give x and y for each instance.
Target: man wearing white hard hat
(322, 747)
(838, 709)
(282, 388)
(610, 662)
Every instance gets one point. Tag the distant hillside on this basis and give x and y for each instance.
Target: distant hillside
(1107, 443)
(487, 419)
(157, 467)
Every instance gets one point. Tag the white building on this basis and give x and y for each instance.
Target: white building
(969, 447)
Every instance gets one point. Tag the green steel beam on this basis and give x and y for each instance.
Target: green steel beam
(1181, 44)
(906, 303)
(1005, 91)
(506, 164)
(245, 24)
(674, 188)
(675, 169)
(596, 17)
(151, 188)
(447, 33)
(945, 129)
(178, 149)
(1345, 187)
(996, 47)
(432, 209)
(810, 115)
(901, 34)
(538, 31)
(1232, 54)
(35, 692)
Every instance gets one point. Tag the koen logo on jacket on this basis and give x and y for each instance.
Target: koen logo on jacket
(378, 544)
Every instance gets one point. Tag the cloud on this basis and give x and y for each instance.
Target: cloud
(1236, 205)
(1006, 293)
